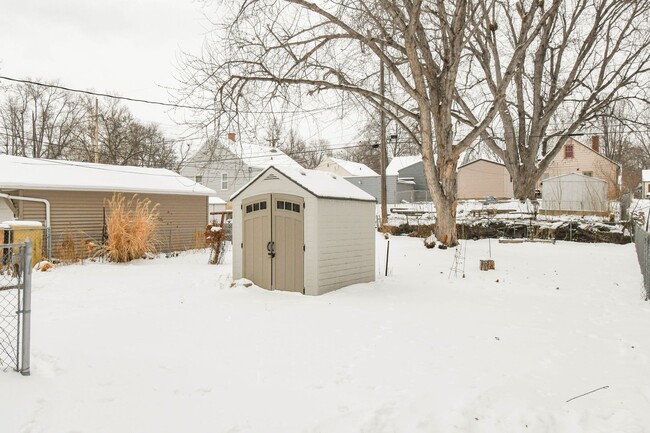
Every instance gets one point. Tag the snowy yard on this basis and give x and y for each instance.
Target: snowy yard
(166, 346)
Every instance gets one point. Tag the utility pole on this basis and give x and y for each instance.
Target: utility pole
(96, 131)
(382, 144)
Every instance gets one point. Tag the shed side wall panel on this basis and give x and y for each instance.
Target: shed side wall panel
(346, 235)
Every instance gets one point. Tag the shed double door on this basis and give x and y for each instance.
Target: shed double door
(273, 241)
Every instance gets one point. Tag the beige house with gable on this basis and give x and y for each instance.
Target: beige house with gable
(576, 157)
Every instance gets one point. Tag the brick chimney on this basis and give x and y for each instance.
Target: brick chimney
(595, 143)
(232, 136)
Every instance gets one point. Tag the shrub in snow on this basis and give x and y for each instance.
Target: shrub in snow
(215, 237)
(430, 242)
(131, 228)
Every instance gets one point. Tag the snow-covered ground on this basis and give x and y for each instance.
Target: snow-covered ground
(166, 345)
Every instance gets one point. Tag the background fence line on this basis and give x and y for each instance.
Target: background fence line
(642, 243)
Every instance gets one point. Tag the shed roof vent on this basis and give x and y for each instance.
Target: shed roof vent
(271, 176)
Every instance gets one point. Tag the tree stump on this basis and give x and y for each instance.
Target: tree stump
(486, 265)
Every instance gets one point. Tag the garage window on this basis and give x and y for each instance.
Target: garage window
(287, 205)
(254, 207)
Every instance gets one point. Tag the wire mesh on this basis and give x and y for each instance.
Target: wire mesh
(11, 278)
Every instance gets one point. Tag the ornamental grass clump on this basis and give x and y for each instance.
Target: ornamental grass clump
(131, 228)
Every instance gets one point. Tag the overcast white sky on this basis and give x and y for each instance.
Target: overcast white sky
(126, 47)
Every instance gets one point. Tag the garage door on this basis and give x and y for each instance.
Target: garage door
(273, 241)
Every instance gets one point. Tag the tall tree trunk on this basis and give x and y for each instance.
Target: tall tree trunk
(524, 181)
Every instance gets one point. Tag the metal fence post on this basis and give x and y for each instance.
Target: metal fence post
(646, 271)
(27, 308)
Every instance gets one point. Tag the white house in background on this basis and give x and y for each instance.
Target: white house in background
(361, 176)
(645, 183)
(574, 194)
(301, 230)
(227, 166)
(346, 168)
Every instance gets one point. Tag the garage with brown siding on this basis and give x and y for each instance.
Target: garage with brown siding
(77, 195)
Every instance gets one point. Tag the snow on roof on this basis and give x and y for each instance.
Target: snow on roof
(355, 168)
(27, 173)
(400, 162)
(320, 183)
(645, 175)
(215, 200)
(258, 156)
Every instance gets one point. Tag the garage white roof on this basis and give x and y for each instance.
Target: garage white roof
(27, 173)
(400, 162)
(354, 168)
(320, 183)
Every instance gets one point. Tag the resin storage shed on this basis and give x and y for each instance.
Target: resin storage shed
(303, 230)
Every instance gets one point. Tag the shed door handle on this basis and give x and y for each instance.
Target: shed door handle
(270, 247)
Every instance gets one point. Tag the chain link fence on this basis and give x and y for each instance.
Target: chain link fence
(413, 196)
(642, 243)
(15, 306)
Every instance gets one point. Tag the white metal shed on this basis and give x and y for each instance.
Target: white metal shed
(303, 230)
(574, 193)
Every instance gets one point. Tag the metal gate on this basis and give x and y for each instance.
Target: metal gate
(15, 306)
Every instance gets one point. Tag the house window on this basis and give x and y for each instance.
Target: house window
(568, 151)
(198, 178)
(224, 181)
(588, 173)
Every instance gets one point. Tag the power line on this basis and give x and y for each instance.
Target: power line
(153, 102)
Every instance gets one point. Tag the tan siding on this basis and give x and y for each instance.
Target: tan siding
(585, 160)
(80, 214)
(481, 179)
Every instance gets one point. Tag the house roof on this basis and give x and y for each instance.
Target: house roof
(481, 159)
(354, 168)
(216, 200)
(253, 155)
(645, 175)
(321, 184)
(27, 173)
(258, 156)
(400, 162)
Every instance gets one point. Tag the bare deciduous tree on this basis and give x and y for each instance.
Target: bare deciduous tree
(588, 56)
(282, 48)
(39, 122)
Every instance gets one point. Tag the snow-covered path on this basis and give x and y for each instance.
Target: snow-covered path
(166, 346)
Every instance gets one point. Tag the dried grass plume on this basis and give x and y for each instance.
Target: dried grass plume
(131, 228)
